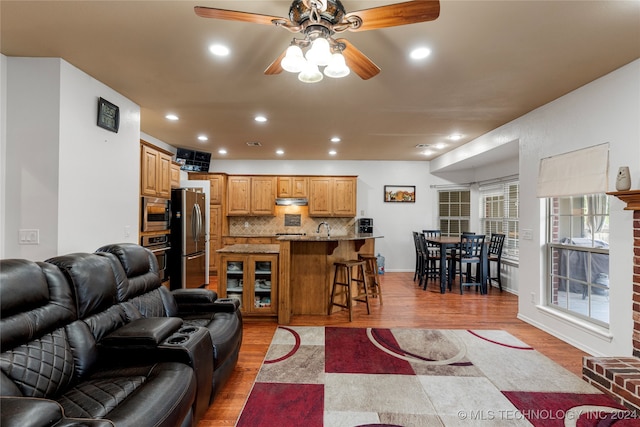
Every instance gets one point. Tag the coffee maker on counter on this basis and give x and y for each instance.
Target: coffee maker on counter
(364, 225)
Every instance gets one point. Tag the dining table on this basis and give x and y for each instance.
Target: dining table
(451, 242)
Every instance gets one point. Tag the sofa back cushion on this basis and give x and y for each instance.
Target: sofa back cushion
(36, 304)
(141, 287)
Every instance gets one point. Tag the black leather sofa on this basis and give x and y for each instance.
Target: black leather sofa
(96, 340)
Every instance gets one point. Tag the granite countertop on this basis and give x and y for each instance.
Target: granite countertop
(250, 249)
(322, 237)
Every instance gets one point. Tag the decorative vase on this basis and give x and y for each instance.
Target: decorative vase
(623, 182)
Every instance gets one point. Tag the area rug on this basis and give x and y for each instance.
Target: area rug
(327, 376)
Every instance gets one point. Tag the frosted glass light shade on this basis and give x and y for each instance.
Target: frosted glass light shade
(310, 74)
(320, 53)
(337, 67)
(293, 61)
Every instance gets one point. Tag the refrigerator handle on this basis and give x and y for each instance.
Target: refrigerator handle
(194, 223)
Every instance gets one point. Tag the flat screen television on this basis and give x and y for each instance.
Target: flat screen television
(193, 161)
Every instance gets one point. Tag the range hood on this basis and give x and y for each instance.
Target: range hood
(292, 201)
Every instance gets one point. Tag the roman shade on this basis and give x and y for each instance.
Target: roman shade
(575, 173)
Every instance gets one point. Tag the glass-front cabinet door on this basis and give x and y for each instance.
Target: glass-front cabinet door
(252, 280)
(233, 269)
(264, 275)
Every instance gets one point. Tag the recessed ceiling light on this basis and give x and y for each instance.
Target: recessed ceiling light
(280, 152)
(440, 145)
(222, 151)
(203, 138)
(336, 139)
(219, 50)
(171, 117)
(420, 53)
(260, 119)
(455, 137)
(427, 152)
(333, 152)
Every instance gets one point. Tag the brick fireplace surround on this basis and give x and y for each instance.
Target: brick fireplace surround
(620, 376)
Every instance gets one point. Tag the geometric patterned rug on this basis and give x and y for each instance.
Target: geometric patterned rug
(328, 376)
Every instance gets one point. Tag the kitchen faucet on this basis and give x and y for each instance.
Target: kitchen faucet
(326, 224)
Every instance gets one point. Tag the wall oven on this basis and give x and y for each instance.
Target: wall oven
(156, 214)
(160, 246)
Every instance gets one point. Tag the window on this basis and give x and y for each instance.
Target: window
(578, 251)
(455, 211)
(499, 214)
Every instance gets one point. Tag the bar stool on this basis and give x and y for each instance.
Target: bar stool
(371, 270)
(346, 267)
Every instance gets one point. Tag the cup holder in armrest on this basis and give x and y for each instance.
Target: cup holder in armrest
(188, 330)
(178, 339)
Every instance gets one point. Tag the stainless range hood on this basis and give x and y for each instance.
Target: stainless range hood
(292, 201)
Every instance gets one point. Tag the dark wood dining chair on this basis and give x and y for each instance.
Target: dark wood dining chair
(432, 267)
(419, 257)
(470, 252)
(494, 254)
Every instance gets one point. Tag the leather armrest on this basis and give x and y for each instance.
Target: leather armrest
(31, 412)
(143, 332)
(194, 296)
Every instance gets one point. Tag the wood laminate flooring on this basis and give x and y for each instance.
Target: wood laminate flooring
(404, 305)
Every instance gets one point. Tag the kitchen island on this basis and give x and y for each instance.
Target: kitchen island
(306, 270)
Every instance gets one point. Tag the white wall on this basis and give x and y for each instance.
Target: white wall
(77, 183)
(3, 150)
(395, 221)
(606, 110)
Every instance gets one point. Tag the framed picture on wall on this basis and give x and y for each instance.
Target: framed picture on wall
(400, 193)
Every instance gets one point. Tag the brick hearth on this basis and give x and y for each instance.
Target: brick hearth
(620, 376)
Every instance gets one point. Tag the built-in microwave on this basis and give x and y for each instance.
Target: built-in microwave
(156, 214)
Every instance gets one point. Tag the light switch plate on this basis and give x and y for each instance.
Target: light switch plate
(29, 237)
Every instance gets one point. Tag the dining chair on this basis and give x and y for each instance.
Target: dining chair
(470, 251)
(494, 255)
(419, 256)
(432, 267)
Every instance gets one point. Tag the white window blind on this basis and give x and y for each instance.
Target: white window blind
(579, 172)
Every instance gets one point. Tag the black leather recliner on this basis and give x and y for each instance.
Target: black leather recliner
(136, 270)
(53, 367)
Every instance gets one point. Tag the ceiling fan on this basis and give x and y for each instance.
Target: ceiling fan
(318, 21)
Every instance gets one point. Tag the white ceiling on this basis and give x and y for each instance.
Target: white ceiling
(492, 62)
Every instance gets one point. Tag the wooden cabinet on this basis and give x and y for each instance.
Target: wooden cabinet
(293, 186)
(215, 236)
(217, 185)
(155, 172)
(248, 240)
(253, 280)
(251, 195)
(332, 196)
(175, 175)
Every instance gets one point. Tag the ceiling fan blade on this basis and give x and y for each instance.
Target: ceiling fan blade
(358, 61)
(234, 15)
(408, 12)
(275, 67)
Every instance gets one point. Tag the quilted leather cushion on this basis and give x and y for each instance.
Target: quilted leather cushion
(155, 395)
(41, 368)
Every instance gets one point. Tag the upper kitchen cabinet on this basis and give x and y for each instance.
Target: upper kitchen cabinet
(293, 186)
(332, 196)
(175, 175)
(155, 172)
(217, 184)
(251, 195)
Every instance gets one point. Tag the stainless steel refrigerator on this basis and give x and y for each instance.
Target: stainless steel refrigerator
(188, 239)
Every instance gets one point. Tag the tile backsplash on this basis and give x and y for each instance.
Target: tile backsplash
(270, 225)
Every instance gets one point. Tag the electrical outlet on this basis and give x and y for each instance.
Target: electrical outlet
(246, 224)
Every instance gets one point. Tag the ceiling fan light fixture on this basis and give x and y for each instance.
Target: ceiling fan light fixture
(337, 67)
(310, 73)
(320, 52)
(293, 61)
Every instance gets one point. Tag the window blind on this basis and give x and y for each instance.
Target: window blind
(579, 172)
